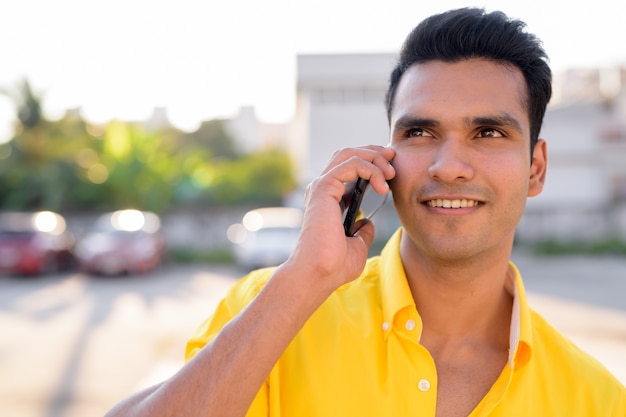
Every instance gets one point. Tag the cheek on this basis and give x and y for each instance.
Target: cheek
(409, 166)
(509, 179)
(403, 179)
(411, 176)
(506, 167)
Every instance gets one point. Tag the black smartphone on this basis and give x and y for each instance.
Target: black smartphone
(353, 206)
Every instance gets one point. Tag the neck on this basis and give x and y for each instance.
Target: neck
(462, 299)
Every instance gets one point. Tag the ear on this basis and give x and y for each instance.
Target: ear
(538, 168)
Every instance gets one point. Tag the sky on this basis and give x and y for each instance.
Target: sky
(119, 59)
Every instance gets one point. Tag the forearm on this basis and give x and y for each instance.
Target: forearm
(224, 377)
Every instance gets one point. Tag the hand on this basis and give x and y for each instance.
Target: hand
(323, 250)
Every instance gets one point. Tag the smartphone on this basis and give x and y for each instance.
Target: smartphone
(359, 202)
(355, 195)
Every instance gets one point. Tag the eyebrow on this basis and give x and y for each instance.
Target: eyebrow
(407, 122)
(502, 120)
(499, 120)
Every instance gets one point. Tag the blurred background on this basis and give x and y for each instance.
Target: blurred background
(153, 152)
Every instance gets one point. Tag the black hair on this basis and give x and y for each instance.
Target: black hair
(469, 33)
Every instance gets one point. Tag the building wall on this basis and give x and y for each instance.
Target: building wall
(585, 126)
(341, 104)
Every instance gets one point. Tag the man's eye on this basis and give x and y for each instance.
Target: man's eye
(417, 132)
(490, 133)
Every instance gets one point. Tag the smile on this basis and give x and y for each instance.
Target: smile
(453, 204)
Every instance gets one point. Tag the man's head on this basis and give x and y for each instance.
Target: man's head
(472, 33)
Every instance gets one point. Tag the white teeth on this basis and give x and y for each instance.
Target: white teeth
(452, 203)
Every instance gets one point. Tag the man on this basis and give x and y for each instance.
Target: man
(438, 325)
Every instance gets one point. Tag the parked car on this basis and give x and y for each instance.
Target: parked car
(34, 243)
(266, 236)
(124, 241)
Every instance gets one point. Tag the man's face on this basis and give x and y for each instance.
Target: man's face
(463, 163)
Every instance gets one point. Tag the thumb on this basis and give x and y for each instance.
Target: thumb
(365, 231)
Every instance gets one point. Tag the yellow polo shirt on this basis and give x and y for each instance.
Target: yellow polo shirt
(360, 355)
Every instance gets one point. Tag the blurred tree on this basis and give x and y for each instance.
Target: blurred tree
(34, 173)
(262, 178)
(136, 169)
(71, 165)
(212, 135)
(27, 104)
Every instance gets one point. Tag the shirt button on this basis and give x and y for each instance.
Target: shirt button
(410, 324)
(423, 385)
(385, 326)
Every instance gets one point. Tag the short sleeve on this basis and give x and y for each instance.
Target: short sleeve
(236, 299)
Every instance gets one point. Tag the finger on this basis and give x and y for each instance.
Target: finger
(377, 155)
(353, 168)
(365, 231)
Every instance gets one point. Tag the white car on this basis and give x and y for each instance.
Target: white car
(266, 236)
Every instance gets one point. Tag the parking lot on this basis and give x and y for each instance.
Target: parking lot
(72, 345)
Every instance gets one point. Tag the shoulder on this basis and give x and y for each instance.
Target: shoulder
(240, 294)
(570, 367)
(368, 282)
(247, 287)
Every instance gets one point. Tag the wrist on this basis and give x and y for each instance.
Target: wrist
(303, 289)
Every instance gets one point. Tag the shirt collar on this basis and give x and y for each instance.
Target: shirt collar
(396, 295)
(521, 340)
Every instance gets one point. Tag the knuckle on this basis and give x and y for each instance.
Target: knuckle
(337, 153)
(312, 186)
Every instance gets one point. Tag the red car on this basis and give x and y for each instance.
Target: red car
(34, 243)
(122, 242)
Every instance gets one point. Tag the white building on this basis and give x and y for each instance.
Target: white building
(340, 103)
(585, 194)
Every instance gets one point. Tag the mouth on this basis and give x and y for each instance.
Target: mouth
(452, 204)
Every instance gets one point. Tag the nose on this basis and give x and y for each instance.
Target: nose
(451, 162)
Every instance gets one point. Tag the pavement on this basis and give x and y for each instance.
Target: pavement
(72, 345)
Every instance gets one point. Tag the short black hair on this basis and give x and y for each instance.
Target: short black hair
(468, 33)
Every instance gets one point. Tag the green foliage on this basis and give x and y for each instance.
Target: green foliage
(612, 246)
(211, 135)
(262, 178)
(69, 165)
(27, 104)
(221, 255)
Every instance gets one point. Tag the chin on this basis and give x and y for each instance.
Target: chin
(449, 249)
(452, 255)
